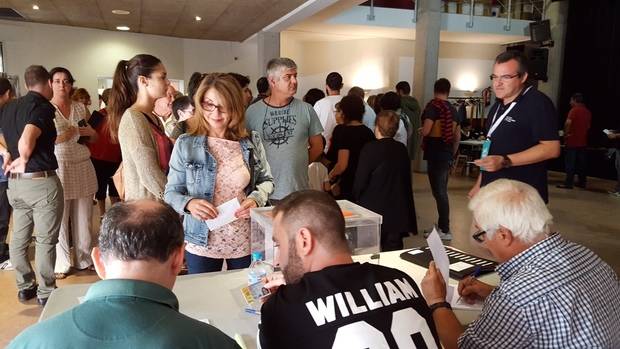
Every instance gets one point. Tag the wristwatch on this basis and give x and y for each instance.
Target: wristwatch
(506, 162)
(438, 305)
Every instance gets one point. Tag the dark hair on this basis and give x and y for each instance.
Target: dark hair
(442, 86)
(313, 95)
(352, 108)
(377, 104)
(125, 87)
(262, 85)
(390, 101)
(180, 103)
(105, 96)
(194, 82)
(130, 231)
(318, 212)
(356, 91)
(241, 79)
(387, 123)
(64, 70)
(36, 75)
(576, 97)
(404, 87)
(5, 85)
(517, 56)
(334, 81)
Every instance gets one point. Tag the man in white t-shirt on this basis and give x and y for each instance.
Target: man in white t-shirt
(325, 108)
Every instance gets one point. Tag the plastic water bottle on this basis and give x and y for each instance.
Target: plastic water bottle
(258, 269)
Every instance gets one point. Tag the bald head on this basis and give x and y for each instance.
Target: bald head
(140, 230)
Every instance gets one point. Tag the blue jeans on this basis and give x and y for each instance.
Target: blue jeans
(199, 264)
(438, 171)
(575, 162)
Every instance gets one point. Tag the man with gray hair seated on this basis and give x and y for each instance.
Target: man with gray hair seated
(552, 293)
(139, 256)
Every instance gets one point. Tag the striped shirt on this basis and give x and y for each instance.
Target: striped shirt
(556, 294)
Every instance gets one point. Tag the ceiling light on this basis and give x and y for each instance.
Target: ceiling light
(198, 18)
(120, 12)
(35, 7)
(123, 27)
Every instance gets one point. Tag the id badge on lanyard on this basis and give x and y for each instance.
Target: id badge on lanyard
(486, 145)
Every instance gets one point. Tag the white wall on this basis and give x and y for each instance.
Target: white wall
(92, 53)
(378, 64)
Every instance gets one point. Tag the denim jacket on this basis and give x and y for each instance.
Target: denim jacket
(192, 175)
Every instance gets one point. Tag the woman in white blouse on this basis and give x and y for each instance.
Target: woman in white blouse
(76, 173)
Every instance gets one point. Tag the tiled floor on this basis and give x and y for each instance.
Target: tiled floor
(584, 216)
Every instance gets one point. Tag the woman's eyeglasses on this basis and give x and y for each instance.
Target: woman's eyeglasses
(210, 107)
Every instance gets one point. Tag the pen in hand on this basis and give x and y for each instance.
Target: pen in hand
(471, 278)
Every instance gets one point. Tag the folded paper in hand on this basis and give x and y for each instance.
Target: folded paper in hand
(226, 214)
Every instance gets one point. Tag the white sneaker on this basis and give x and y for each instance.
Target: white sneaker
(442, 235)
(445, 236)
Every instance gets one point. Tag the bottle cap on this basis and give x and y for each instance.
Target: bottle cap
(257, 256)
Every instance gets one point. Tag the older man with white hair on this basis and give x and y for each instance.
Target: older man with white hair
(552, 293)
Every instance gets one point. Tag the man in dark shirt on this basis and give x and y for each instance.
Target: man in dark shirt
(35, 192)
(576, 130)
(442, 135)
(522, 128)
(329, 301)
(411, 108)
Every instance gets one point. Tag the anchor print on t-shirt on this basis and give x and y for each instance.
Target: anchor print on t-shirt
(279, 127)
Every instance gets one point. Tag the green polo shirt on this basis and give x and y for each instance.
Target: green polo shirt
(123, 314)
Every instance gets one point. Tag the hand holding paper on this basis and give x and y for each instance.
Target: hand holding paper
(226, 214)
(442, 262)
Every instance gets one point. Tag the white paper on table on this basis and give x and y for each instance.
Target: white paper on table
(458, 266)
(226, 214)
(440, 256)
(414, 252)
(461, 304)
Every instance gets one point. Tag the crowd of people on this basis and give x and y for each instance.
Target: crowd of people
(168, 160)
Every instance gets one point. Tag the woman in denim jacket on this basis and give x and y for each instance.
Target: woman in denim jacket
(216, 161)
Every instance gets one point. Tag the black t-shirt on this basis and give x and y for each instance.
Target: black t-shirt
(531, 120)
(33, 109)
(348, 306)
(353, 139)
(435, 149)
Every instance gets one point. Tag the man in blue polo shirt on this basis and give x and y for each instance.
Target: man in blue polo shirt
(522, 128)
(139, 256)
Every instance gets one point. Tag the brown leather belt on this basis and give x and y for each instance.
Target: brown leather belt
(33, 175)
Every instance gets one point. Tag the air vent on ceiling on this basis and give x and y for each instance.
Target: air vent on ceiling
(9, 13)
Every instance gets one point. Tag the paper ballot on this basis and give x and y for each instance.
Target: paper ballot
(226, 214)
(459, 303)
(442, 263)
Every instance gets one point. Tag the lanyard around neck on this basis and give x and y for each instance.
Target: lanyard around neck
(495, 123)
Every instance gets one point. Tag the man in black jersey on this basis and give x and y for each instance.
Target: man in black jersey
(328, 300)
